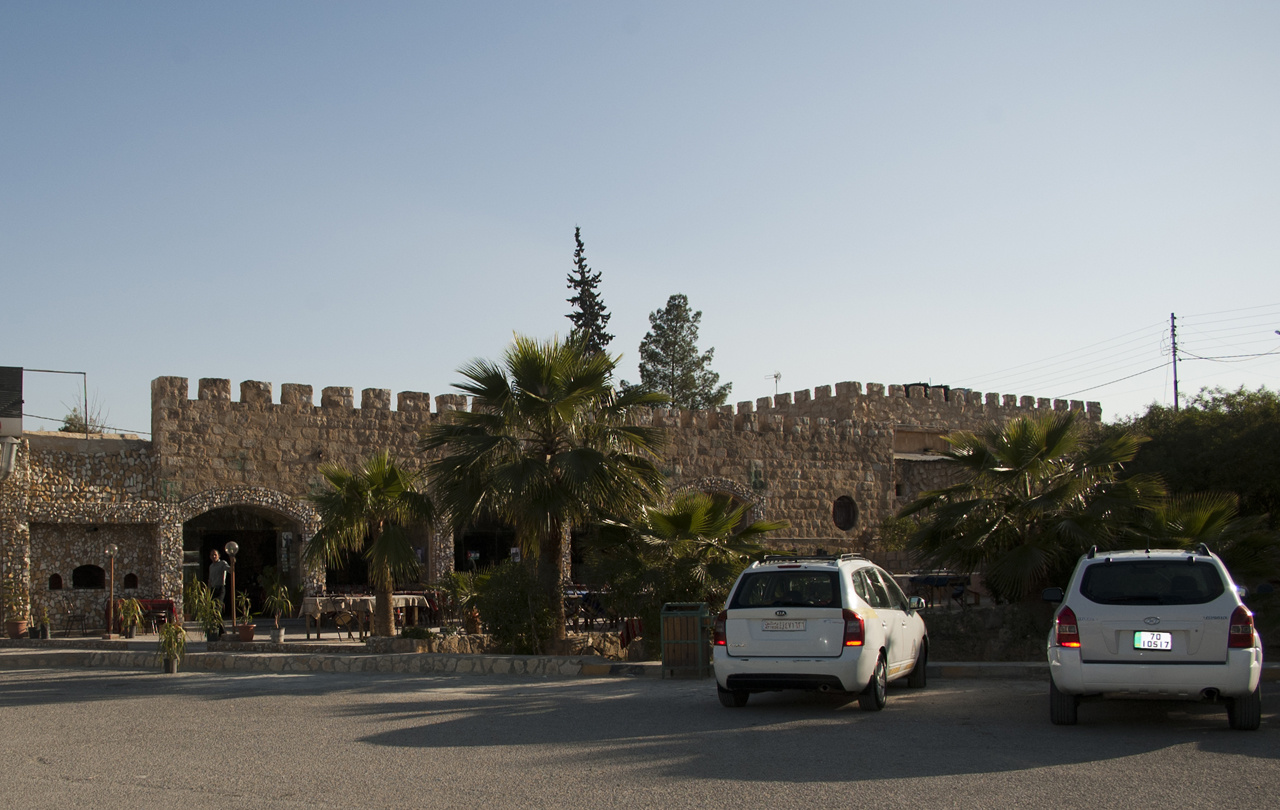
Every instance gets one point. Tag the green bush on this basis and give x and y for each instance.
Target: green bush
(515, 609)
(416, 632)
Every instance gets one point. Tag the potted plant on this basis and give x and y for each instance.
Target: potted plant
(15, 613)
(42, 622)
(278, 603)
(207, 609)
(131, 615)
(242, 610)
(173, 645)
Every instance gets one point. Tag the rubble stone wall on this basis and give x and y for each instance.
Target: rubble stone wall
(60, 548)
(790, 456)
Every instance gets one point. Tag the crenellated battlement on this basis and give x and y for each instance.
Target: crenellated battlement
(839, 408)
(174, 392)
(910, 405)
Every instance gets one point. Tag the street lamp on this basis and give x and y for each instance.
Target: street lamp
(110, 551)
(231, 550)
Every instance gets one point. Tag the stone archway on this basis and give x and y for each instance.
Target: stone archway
(270, 527)
(739, 492)
(298, 510)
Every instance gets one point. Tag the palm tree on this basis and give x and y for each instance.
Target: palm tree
(546, 446)
(368, 511)
(1250, 550)
(1034, 494)
(690, 550)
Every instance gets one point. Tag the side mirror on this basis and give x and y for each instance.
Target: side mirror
(1242, 591)
(1052, 595)
(916, 603)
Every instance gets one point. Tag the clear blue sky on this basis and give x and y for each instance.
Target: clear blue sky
(1010, 197)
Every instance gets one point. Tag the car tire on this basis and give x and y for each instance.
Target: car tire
(1062, 707)
(919, 676)
(732, 698)
(1245, 713)
(874, 696)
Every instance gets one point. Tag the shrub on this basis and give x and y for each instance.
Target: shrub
(516, 609)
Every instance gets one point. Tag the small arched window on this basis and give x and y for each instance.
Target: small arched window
(55, 582)
(130, 582)
(89, 576)
(845, 513)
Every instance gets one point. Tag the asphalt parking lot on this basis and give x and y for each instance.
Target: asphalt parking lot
(100, 738)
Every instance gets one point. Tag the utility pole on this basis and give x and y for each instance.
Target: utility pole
(1173, 338)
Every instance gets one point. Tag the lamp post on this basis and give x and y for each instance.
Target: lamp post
(110, 551)
(231, 550)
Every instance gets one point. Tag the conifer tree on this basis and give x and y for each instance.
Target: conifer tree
(588, 316)
(670, 362)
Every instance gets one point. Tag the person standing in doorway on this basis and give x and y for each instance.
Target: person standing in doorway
(218, 570)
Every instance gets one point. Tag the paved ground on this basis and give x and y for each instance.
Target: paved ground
(98, 738)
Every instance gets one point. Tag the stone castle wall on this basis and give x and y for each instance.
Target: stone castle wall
(950, 409)
(790, 457)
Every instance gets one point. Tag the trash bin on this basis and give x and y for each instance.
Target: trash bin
(686, 640)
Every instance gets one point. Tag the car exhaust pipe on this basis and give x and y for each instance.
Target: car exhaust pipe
(824, 688)
(1210, 695)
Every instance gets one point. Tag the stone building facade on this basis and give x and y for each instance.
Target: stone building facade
(833, 462)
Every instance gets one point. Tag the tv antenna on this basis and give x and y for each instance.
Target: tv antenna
(777, 375)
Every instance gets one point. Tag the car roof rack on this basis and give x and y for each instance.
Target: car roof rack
(774, 558)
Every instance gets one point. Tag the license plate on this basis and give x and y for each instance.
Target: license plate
(1144, 640)
(783, 624)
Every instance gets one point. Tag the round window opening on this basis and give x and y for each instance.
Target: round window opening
(845, 513)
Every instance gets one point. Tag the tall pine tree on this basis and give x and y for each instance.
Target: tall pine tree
(588, 316)
(670, 362)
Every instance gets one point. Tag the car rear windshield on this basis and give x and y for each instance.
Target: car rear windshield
(787, 588)
(1151, 582)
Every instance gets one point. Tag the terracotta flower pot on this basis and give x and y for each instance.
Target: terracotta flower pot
(245, 631)
(16, 628)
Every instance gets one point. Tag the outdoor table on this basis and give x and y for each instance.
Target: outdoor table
(936, 581)
(153, 610)
(361, 607)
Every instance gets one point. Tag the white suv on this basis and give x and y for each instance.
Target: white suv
(819, 623)
(1153, 624)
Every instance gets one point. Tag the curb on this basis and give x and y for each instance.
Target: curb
(143, 656)
(402, 663)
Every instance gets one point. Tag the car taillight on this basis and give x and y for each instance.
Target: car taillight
(1068, 634)
(854, 631)
(1241, 632)
(717, 629)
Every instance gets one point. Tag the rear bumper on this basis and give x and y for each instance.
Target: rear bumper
(1236, 677)
(760, 674)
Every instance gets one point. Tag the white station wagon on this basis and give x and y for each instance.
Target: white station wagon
(1155, 623)
(818, 623)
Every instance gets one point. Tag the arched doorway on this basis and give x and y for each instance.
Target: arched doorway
(269, 546)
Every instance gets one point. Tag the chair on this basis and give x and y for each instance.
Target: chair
(155, 618)
(75, 618)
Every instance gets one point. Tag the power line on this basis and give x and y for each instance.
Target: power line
(1227, 358)
(1113, 382)
(1101, 345)
(1226, 311)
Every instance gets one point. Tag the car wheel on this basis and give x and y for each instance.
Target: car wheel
(732, 698)
(874, 696)
(1062, 707)
(1245, 713)
(919, 676)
